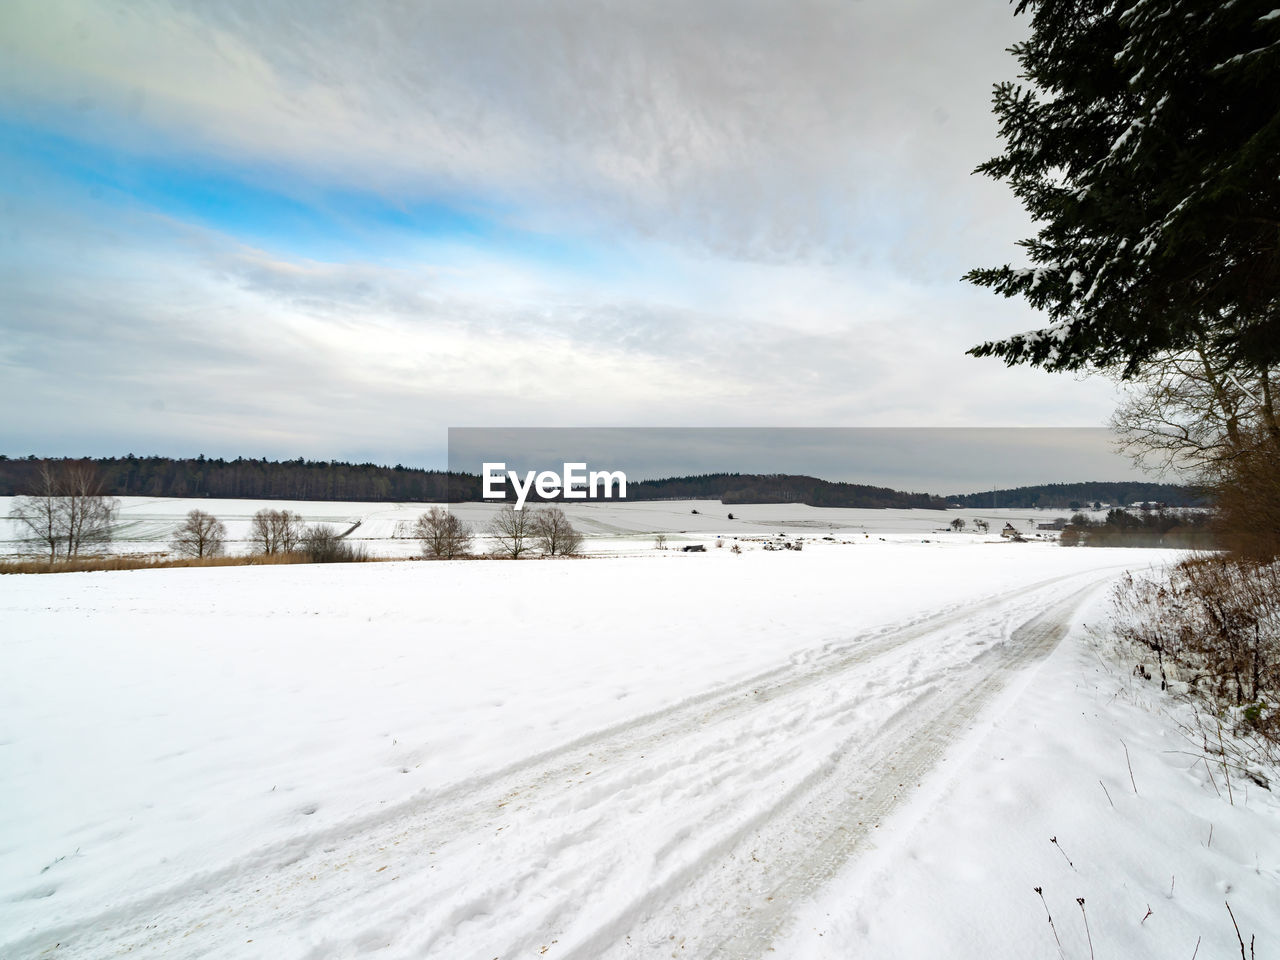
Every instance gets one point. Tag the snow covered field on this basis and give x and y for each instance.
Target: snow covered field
(146, 524)
(860, 750)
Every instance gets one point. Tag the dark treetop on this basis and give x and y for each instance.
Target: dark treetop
(1143, 140)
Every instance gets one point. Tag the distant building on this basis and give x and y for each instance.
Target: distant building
(1009, 531)
(1057, 524)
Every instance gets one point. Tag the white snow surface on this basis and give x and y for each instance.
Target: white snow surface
(955, 869)
(853, 751)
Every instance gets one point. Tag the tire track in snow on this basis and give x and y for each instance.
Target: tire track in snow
(814, 833)
(567, 837)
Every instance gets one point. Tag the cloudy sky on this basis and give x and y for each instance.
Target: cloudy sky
(334, 230)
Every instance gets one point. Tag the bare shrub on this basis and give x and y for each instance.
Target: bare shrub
(202, 535)
(443, 535)
(1214, 623)
(660, 542)
(512, 532)
(554, 534)
(275, 531)
(322, 544)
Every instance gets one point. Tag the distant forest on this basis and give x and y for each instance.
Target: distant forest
(248, 479)
(1079, 496)
(252, 479)
(325, 480)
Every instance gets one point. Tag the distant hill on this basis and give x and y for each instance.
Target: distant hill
(733, 488)
(1073, 496)
(332, 480)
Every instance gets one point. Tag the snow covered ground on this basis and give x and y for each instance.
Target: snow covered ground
(147, 524)
(857, 751)
(1043, 794)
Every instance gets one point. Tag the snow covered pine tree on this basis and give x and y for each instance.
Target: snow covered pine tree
(1145, 147)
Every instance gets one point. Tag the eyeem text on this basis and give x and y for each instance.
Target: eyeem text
(574, 483)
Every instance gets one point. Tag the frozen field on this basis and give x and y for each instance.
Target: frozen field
(146, 524)
(853, 751)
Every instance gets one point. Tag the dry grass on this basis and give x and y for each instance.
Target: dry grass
(156, 562)
(1213, 623)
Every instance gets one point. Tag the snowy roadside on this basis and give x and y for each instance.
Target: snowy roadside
(955, 870)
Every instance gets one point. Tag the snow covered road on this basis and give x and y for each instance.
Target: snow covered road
(692, 829)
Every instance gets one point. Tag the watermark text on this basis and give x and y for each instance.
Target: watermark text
(574, 482)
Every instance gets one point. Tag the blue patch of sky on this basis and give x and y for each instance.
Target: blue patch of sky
(275, 208)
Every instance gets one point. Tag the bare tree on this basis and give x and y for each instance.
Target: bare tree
(554, 534)
(88, 512)
(1205, 414)
(1195, 411)
(203, 535)
(68, 510)
(262, 532)
(443, 534)
(39, 513)
(957, 524)
(981, 525)
(511, 530)
(276, 531)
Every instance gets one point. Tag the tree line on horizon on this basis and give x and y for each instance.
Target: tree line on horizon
(1084, 495)
(253, 479)
(261, 479)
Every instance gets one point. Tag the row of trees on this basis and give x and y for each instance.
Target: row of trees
(1174, 529)
(514, 533)
(67, 513)
(271, 532)
(443, 535)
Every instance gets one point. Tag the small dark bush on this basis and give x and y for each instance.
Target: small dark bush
(321, 544)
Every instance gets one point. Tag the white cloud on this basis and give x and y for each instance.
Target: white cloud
(764, 130)
(780, 193)
(203, 344)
